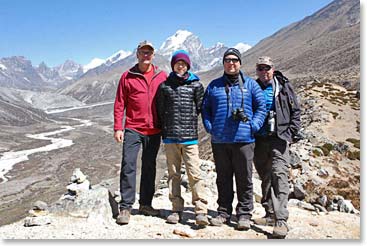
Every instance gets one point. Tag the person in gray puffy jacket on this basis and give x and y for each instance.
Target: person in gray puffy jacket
(233, 111)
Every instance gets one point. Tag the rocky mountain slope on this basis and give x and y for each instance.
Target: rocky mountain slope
(325, 44)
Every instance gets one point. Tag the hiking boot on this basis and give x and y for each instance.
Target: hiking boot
(265, 221)
(202, 219)
(243, 223)
(148, 210)
(123, 217)
(280, 229)
(174, 218)
(219, 220)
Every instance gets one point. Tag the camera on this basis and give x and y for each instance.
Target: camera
(271, 123)
(239, 115)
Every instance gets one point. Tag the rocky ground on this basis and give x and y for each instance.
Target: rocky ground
(90, 216)
(324, 177)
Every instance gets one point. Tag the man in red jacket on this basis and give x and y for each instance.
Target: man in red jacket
(136, 100)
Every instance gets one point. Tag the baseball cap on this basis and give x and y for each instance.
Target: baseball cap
(145, 43)
(266, 60)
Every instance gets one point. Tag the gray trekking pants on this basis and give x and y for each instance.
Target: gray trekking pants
(272, 164)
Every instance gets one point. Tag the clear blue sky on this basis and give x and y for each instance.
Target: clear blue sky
(53, 31)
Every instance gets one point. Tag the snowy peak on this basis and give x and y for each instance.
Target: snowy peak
(95, 62)
(182, 39)
(70, 69)
(242, 47)
(121, 54)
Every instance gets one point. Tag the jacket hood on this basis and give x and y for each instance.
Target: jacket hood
(191, 78)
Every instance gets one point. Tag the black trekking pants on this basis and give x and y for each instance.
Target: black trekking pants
(132, 142)
(234, 159)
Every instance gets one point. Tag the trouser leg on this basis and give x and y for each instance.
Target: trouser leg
(280, 173)
(263, 166)
(173, 154)
(148, 168)
(130, 150)
(190, 155)
(223, 165)
(243, 155)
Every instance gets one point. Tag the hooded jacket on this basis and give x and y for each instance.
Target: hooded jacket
(138, 98)
(217, 110)
(288, 112)
(178, 105)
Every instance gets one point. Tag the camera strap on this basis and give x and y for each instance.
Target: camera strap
(227, 89)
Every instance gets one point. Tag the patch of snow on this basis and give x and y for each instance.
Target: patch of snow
(242, 47)
(121, 54)
(95, 62)
(174, 42)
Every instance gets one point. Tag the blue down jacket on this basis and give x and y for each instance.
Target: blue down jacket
(217, 110)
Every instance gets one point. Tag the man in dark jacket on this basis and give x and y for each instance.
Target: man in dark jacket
(136, 95)
(178, 105)
(272, 144)
(233, 110)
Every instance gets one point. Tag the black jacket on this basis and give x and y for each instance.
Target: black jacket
(288, 112)
(178, 106)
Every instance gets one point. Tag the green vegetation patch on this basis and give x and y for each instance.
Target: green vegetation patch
(353, 155)
(355, 142)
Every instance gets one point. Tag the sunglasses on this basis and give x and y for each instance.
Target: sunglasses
(145, 52)
(233, 60)
(266, 68)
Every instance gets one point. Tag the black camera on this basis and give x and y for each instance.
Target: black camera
(239, 114)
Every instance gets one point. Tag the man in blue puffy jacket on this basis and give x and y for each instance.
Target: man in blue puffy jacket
(233, 111)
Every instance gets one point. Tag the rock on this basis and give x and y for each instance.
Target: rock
(37, 221)
(320, 208)
(37, 213)
(299, 192)
(341, 148)
(322, 172)
(346, 206)
(185, 232)
(77, 187)
(40, 205)
(185, 181)
(322, 200)
(295, 160)
(306, 206)
(95, 204)
(78, 176)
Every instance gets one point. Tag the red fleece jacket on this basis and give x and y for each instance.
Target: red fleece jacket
(138, 97)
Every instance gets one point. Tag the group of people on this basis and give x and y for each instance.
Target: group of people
(250, 121)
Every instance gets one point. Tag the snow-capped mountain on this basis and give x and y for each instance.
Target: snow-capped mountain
(121, 54)
(182, 39)
(242, 47)
(70, 70)
(18, 72)
(95, 62)
(202, 58)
